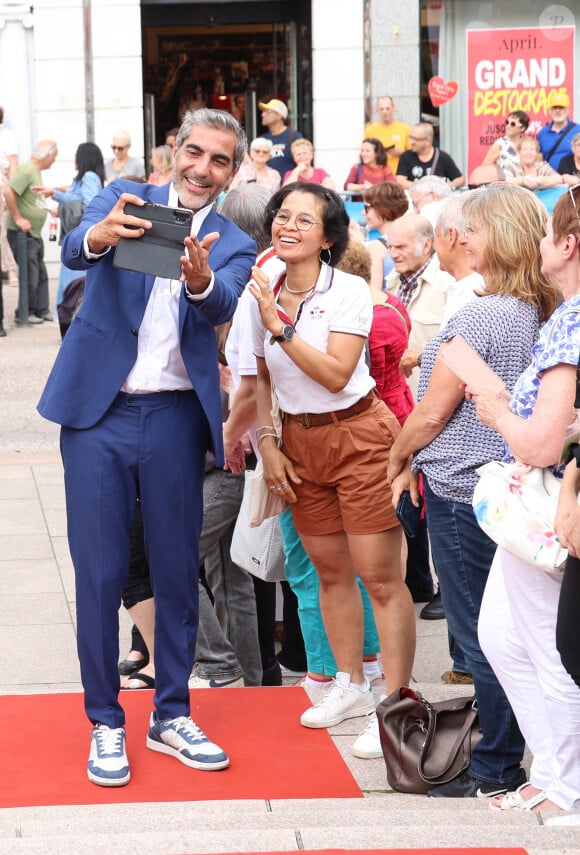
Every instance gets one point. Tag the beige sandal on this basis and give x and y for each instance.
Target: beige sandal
(515, 801)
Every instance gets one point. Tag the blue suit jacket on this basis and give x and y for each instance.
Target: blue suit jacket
(100, 347)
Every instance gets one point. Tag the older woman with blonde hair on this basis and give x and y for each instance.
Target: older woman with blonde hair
(162, 163)
(502, 227)
(531, 170)
(255, 169)
(517, 625)
(303, 154)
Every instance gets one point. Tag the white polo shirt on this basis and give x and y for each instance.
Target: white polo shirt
(340, 303)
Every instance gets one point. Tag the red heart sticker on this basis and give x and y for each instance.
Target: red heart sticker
(441, 92)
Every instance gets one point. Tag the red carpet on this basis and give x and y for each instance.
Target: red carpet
(493, 851)
(44, 746)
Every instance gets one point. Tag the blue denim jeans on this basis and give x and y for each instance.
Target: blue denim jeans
(463, 556)
(303, 578)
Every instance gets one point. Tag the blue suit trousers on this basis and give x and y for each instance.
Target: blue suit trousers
(152, 446)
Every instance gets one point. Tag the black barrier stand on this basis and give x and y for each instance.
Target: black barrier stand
(22, 261)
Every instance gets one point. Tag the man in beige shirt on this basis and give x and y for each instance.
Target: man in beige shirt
(420, 283)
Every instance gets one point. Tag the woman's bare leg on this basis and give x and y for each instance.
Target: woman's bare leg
(377, 558)
(340, 600)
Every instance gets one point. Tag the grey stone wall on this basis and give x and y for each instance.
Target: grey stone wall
(395, 56)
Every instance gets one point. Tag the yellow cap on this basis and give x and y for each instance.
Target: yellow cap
(277, 106)
(558, 99)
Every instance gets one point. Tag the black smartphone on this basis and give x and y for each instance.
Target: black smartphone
(159, 249)
(407, 514)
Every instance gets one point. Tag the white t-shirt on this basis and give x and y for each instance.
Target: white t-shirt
(339, 302)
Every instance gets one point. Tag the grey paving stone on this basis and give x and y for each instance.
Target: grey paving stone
(52, 495)
(32, 654)
(34, 609)
(20, 576)
(17, 488)
(31, 546)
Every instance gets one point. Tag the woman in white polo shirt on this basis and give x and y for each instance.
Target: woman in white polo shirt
(309, 330)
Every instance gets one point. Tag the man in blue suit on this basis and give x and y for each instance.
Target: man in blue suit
(135, 387)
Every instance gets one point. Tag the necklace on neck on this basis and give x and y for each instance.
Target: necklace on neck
(293, 291)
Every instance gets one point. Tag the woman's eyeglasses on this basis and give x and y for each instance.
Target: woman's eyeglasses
(118, 147)
(512, 123)
(301, 221)
(367, 205)
(575, 191)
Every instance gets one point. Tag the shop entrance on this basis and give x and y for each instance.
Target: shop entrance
(229, 56)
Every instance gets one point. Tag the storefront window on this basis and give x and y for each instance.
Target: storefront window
(229, 56)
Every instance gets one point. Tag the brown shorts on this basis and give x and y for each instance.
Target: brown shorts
(343, 467)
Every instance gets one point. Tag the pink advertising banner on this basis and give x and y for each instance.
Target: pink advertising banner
(514, 69)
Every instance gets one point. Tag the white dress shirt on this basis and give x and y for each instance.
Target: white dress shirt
(159, 366)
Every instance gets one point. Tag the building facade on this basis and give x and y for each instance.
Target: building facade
(77, 70)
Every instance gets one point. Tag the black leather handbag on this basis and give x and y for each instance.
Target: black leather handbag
(425, 744)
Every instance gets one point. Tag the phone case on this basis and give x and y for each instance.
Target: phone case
(159, 249)
(407, 514)
(466, 362)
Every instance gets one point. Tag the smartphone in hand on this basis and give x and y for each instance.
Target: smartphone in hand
(407, 514)
(158, 251)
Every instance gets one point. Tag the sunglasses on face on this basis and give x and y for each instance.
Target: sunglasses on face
(367, 205)
(512, 123)
(118, 147)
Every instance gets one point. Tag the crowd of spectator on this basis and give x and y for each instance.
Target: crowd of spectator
(344, 330)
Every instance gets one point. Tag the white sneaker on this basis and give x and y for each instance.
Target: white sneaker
(368, 743)
(564, 819)
(338, 704)
(197, 682)
(183, 739)
(108, 765)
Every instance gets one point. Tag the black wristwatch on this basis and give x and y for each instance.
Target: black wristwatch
(287, 335)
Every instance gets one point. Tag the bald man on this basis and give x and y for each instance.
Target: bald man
(425, 159)
(393, 134)
(419, 282)
(24, 215)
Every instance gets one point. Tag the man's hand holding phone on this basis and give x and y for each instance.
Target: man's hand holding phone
(118, 224)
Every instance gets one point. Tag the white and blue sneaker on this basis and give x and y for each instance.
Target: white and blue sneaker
(108, 765)
(183, 739)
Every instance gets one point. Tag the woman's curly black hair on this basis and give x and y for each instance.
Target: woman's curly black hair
(334, 217)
